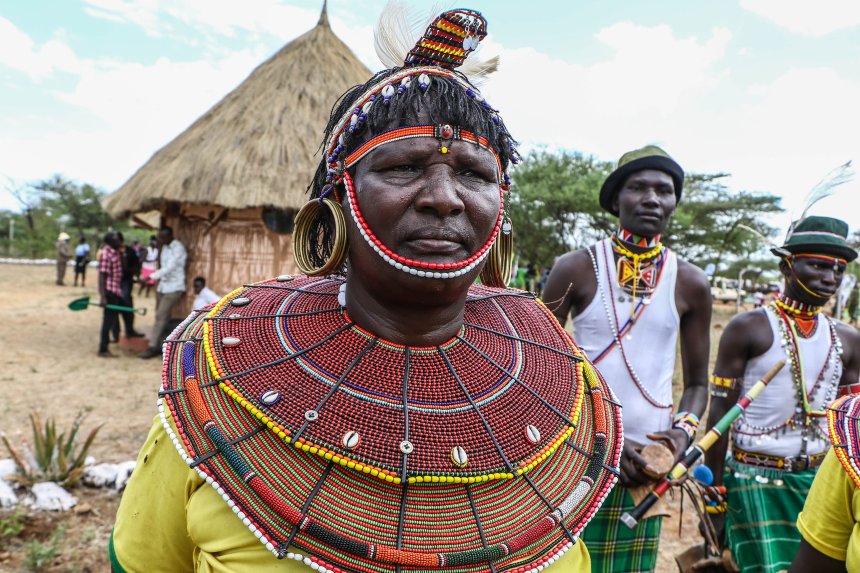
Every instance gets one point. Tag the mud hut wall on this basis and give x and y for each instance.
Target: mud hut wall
(229, 248)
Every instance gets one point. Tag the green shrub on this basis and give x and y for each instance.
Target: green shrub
(53, 457)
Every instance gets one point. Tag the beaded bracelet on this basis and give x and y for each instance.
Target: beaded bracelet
(714, 498)
(687, 421)
(720, 386)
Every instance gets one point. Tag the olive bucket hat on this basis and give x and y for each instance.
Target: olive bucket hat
(648, 157)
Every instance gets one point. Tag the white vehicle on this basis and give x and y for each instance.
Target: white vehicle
(725, 290)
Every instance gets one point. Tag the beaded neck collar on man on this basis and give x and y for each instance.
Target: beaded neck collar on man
(797, 308)
(637, 271)
(803, 315)
(634, 240)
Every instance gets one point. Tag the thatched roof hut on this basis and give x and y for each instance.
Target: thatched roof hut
(230, 184)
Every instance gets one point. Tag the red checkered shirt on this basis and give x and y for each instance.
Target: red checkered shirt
(110, 264)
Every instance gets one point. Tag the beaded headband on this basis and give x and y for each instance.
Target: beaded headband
(444, 46)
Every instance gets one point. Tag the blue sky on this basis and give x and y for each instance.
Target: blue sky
(766, 90)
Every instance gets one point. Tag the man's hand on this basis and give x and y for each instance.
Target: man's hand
(674, 439)
(631, 465)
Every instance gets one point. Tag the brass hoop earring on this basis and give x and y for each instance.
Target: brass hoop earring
(302, 237)
(500, 260)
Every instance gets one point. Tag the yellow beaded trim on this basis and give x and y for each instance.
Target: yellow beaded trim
(450, 29)
(385, 475)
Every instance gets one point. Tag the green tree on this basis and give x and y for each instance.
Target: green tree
(80, 204)
(708, 226)
(50, 206)
(555, 208)
(554, 205)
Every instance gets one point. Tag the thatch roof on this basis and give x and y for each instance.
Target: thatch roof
(257, 146)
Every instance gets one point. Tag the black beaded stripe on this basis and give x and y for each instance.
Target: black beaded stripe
(478, 523)
(522, 384)
(182, 339)
(331, 537)
(475, 408)
(326, 340)
(200, 459)
(526, 340)
(580, 451)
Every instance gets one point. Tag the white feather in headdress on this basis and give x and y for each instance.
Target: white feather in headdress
(824, 188)
(399, 28)
(758, 235)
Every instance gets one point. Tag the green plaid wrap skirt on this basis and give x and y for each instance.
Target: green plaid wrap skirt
(763, 509)
(614, 548)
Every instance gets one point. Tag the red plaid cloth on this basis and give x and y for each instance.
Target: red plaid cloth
(110, 264)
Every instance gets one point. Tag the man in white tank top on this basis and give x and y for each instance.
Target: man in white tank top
(630, 298)
(779, 442)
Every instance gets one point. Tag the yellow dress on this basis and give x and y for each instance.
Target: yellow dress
(170, 520)
(830, 520)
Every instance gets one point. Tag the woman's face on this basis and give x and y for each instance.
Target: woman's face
(426, 205)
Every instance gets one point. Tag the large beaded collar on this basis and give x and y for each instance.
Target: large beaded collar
(843, 422)
(489, 452)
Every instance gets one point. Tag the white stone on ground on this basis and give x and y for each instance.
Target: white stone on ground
(49, 496)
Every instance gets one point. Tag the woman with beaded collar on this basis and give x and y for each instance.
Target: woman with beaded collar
(381, 413)
(779, 443)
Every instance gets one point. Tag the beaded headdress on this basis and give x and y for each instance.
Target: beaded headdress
(429, 74)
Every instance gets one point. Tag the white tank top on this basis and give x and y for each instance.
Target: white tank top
(648, 346)
(762, 428)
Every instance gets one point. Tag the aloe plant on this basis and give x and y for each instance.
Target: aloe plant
(53, 457)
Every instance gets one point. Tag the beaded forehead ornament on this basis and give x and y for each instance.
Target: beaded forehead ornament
(446, 43)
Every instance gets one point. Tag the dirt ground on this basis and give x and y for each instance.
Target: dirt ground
(48, 363)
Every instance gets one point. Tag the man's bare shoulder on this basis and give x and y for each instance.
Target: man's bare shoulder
(690, 274)
(847, 333)
(747, 326)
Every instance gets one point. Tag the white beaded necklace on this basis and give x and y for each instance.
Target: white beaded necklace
(613, 324)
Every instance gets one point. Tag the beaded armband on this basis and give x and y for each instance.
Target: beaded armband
(687, 421)
(720, 386)
(714, 499)
(848, 390)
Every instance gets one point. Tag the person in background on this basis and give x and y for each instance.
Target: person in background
(63, 256)
(777, 446)
(149, 266)
(170, 289)
(82, 259)
(203, 295)
(130, 271)
(632, 299)
(110, 289)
